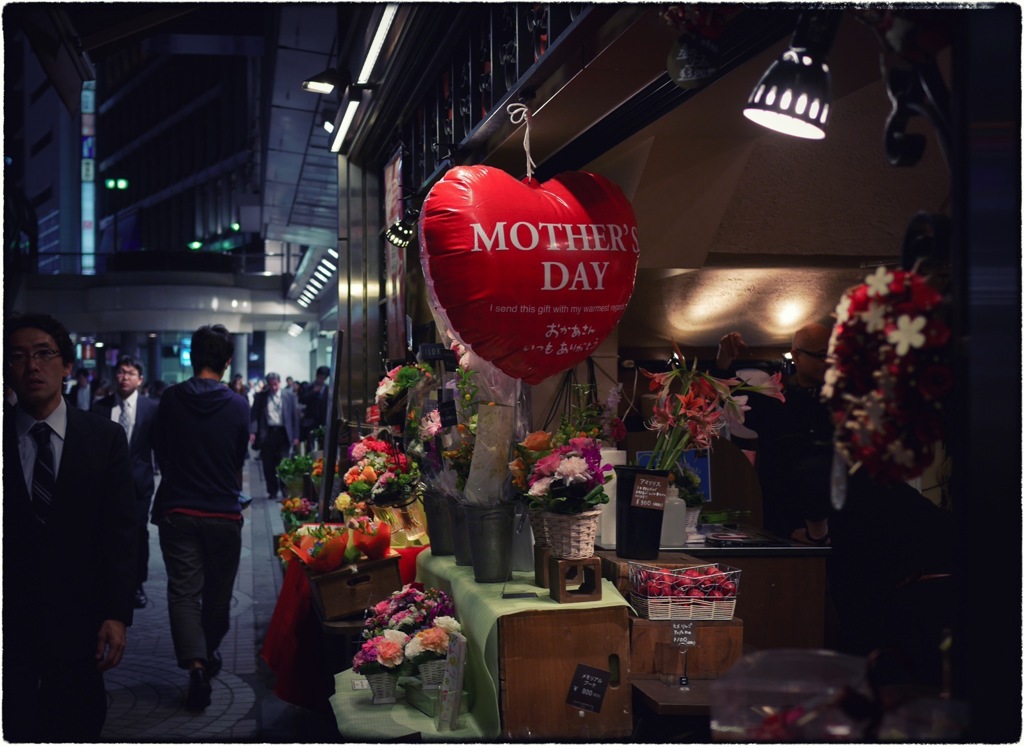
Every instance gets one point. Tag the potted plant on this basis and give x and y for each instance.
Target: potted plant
(292, 473)
(568, 485)
(380, 659)
(427, 650)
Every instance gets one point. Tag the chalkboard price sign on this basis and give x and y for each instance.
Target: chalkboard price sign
(588, 687)
(683, 635)
(649, 491)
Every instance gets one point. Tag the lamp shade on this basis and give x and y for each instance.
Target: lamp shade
(324, 82)
(794, 96)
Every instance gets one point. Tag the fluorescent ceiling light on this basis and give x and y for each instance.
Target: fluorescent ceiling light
(333, 253)
(327, 264)
(346, 122)
(378, 43)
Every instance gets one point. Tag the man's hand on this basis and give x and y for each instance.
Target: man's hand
(110, 644)
(730, 347)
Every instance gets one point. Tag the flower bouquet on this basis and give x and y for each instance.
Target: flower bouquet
(407, 610)
(381, 475)
(692, 407)
(393, 389)
(370, 537)
(296, 511)
(427, 650)
(569, 479)
(380, 659)
(321, 547)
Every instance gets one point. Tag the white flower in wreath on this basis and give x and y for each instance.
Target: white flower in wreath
(843, 310)
(907, 334)
(387, 387)
(874, 317)
(831, 379)
(862, 429)
(878, 283)
(902, 456)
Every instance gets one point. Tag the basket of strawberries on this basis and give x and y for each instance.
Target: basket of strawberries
(698, 592)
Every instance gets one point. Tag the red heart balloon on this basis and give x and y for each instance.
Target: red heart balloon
(531, 276)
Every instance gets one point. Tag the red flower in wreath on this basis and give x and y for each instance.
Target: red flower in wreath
(890, 374)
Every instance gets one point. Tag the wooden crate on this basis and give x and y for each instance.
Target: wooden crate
(354, 588)
(538, 654)
(654, 648)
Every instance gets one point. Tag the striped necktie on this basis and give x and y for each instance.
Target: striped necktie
(123, 419)
(42, 475)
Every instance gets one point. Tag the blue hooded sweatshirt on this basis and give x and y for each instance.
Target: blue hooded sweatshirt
(201, 438)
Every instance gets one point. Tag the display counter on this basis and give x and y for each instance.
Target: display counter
(524, 652)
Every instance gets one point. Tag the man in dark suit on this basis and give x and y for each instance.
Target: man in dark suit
(275, 428)
(69, 541)
(81, 393)
(314, 404)
(136, 414)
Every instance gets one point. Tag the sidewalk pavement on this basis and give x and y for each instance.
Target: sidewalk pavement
(146, 692)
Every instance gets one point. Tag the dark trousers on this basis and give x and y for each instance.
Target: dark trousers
(275, 447)
(50, 704)
(201, 556)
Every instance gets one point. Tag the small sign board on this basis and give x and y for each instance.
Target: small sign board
(448, 413)
(683, 634)
(649, 491)
(588, 687)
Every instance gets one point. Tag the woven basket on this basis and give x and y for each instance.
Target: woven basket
(431, 673)
(571, 536)
(540, 529)
(662, 607)
(383, 687)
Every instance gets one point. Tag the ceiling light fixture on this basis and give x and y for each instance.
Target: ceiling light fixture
(353, 93)
(326, 81)
(295, 329)
(794, 96)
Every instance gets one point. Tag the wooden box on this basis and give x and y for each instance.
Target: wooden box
(655, 647)
(538, 655)
(354, 588)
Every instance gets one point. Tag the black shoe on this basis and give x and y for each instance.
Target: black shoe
(198, 690)
(140, 598)
(213, 664)
(272, 496)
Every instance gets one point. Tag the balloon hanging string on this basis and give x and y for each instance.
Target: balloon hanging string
(519, 113)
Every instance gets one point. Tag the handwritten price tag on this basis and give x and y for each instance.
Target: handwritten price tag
(587, 688)
(649, 491)
(683, 635)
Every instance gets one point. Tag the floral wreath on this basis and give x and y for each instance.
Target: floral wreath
(890, 374)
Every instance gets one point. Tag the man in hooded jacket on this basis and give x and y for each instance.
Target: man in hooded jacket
(201, 438)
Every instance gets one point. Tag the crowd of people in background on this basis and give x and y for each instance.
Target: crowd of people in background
(85, 390)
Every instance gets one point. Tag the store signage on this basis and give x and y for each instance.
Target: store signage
(587, 689)
(683, 634)
(532, 277)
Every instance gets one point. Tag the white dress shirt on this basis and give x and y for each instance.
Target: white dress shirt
(115, 412)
